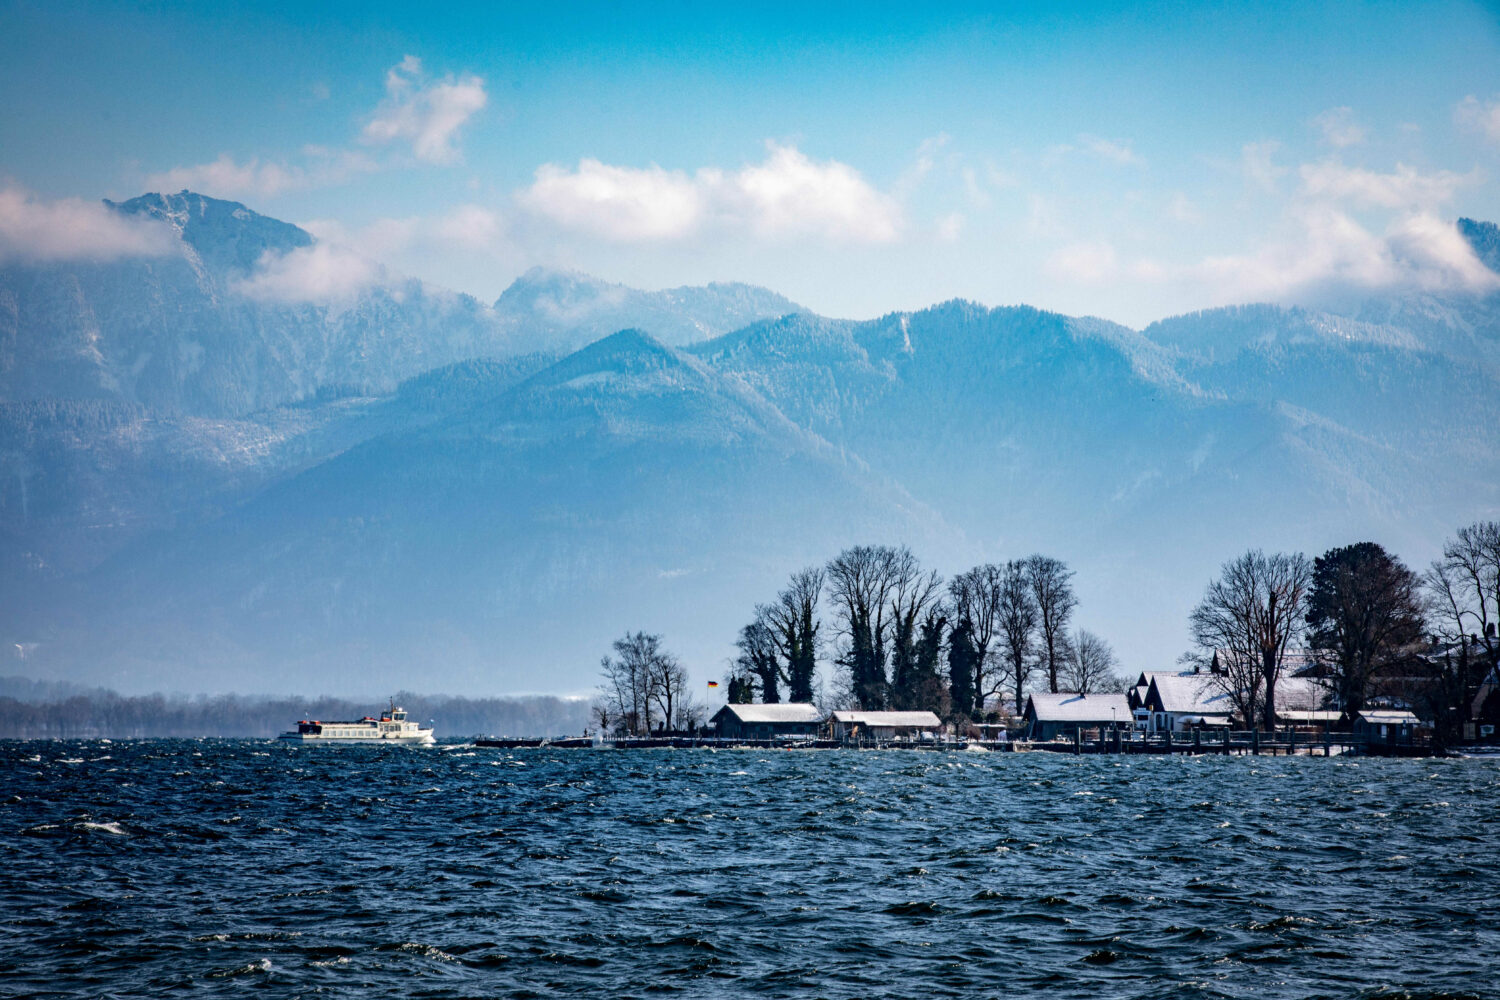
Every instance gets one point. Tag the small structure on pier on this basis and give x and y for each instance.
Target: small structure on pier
(881, 726)
(1050, 715)
(767, 722)
(1386, 725)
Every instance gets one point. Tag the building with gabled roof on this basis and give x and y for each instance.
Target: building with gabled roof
(1066, 713)
(1180, 702)
(767, 722)
(853, 725)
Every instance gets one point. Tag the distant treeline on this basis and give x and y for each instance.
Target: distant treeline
(103, 713)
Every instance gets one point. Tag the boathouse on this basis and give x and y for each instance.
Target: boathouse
(880, 726)
(1050, 715)
(1386, 725)
(767, 722)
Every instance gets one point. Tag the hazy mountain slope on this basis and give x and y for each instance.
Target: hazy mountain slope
(628, 486)
(556, 310)
(84, 477)
(179, 333)
(492, 522)
(1484, 237)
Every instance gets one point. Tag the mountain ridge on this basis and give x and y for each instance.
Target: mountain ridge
(501, 502)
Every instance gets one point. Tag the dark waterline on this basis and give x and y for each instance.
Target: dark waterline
(229, 868)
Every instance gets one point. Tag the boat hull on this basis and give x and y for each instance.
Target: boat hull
(420, 740)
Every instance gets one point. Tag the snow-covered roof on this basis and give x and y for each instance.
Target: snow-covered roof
(1390, 717)
(1308, 715)
(919, 720)
(1065, 706)
(794, 711)
(1300, 693)
(1191, 694)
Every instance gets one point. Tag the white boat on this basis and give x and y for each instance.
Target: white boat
(391, 727)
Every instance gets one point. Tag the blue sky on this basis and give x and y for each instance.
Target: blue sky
(859, 158)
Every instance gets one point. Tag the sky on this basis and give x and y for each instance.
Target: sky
(859, 158)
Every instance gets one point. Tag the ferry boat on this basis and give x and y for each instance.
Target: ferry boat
(391, 727)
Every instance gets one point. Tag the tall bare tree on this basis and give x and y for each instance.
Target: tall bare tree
(859, 584)
(1052, 590)
(1365, 609)
(1464, 592)
(629, 676)
(974, 600)
(1246, 622)
(913, 594)
(668, 690)
(1017, 614)
(794, 626)
(760, 657)
(1090, 663)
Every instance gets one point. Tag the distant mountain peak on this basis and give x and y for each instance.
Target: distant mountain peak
(225, 234)
(553, 308)
(1484, 237)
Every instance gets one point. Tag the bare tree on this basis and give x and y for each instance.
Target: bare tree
(626, 688)
(1052, 590)
(644, 687)
(794, 627)
(974, 598)
(1017, 613)
(913, 594)
(859, 583)
(668, 690)
(760, 656)
(1245, 623)
(1365, 610)
(1464, 591)
(1091, 663)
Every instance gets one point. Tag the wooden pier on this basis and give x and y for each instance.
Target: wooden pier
(1240, 743)
(1287, 743)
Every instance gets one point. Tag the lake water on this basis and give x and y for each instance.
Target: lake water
(238, 868)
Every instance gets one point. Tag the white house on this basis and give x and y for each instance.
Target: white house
(1181, 702)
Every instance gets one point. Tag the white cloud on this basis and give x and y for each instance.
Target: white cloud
(1118, 153)
(788, 195)
(626, 204)
(323, 273)
(467, 227)
(791, 195)
(470, 226)
(1405, 188)
(426, 113)
(950, 227)
(33, 231)
(1182, 209)
(1479, 116)
(1328, 255)
(1259, 167)
(1339, 128)
(1086, 262)
(227, 178)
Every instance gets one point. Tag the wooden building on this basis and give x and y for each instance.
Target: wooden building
(767, 722)
(881, 726)
(1050, 715)
(1386, 725)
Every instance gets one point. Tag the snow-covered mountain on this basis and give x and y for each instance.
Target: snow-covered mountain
(199, 331)
(555, 310)
(492, 521)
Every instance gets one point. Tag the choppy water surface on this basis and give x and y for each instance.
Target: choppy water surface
(224, 868)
